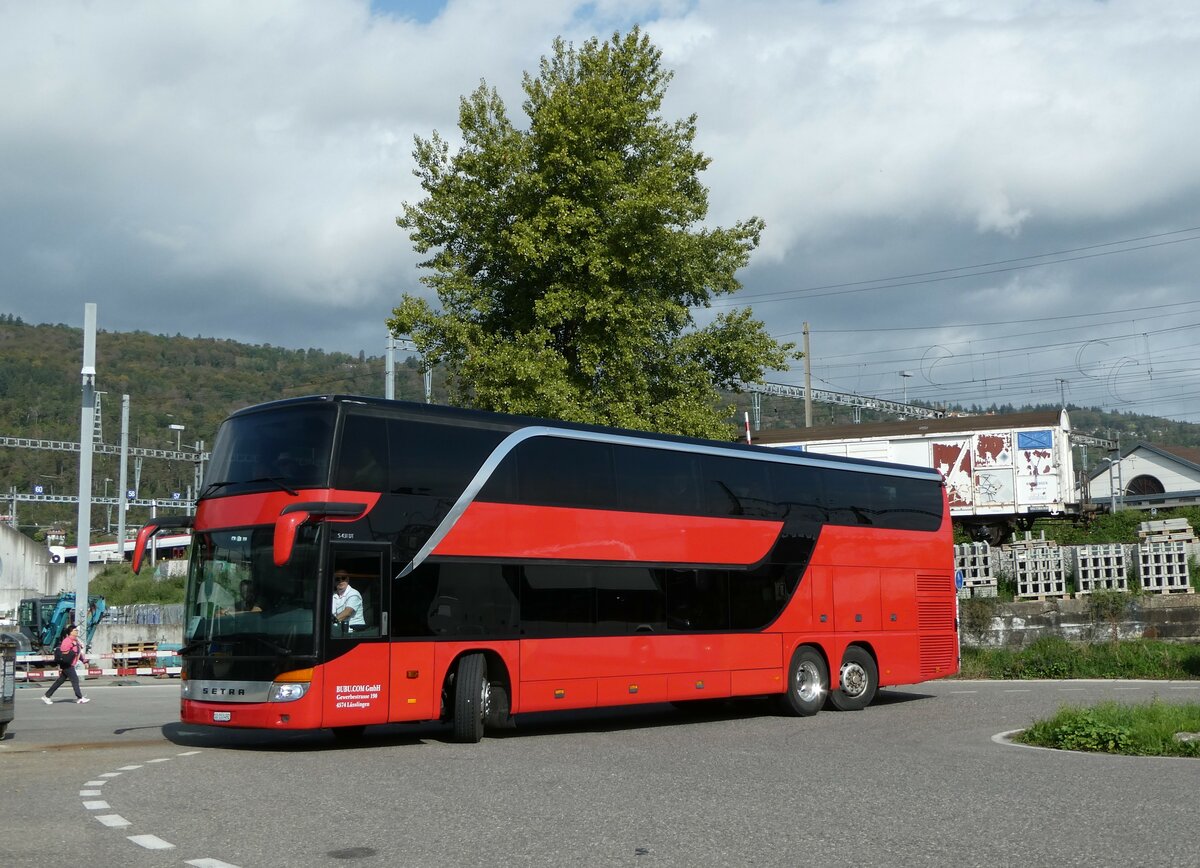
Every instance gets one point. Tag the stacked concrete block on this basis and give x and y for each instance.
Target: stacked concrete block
(974, 562)
(1100, 568)
(1163, 556)
(1038, 569)
(1168, 529)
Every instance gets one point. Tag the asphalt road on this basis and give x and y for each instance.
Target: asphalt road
(919, 778)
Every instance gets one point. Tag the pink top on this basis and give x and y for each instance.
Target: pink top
(72, 649)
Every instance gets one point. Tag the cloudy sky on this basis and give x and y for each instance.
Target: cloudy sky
(999, 200)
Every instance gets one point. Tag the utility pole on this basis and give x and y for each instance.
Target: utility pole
(123, 475)
(808, 420)
(83, 530)
(389, 373)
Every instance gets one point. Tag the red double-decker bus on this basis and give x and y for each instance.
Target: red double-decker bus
(497, 565)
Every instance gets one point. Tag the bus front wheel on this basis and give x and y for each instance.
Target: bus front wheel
(808, 683)
(858, 679)
(472, 698)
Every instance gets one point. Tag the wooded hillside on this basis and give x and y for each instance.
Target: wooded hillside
(196, 382)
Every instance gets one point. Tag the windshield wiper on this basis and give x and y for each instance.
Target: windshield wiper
(276, 481)
(213, 486)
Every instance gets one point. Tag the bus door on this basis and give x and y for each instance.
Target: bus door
(356, 672)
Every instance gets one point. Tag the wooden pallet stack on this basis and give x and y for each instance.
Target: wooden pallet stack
(133, 654)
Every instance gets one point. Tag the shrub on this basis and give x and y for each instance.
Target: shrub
(1147, 729)
(1109, 608)
(1049, 657)
(975, 617)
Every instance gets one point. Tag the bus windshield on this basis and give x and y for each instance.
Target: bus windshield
(288, 448)
(238, 598)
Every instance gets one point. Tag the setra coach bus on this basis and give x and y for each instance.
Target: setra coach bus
(505, 565)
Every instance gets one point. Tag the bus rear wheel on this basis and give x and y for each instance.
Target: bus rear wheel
(472, 698)
(858, 679)
(808, 683)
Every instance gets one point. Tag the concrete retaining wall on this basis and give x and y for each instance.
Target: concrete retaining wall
(1015, 625)
(146, 623)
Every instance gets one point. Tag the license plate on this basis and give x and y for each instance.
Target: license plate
(221, 716)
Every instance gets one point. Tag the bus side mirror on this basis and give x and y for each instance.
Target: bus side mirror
(149, 529)
(285, 535)
(295, 514)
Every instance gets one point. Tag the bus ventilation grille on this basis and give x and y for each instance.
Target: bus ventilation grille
(935, 603)
(935, 585)
(938, 655)
(935, 621)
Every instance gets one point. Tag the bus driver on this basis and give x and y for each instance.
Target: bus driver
(347, 605)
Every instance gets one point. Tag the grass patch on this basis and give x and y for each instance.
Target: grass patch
(120, 586)
(1052, 657)
(1147, 729)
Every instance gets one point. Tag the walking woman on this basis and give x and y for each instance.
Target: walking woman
(71, 652)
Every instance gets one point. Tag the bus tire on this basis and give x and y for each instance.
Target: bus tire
(858, 679)
(500, 707)
(807, 685)
(472, 698)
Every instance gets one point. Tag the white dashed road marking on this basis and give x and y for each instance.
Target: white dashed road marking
(151, 842)
(116, 821)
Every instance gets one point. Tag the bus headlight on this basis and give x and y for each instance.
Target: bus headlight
(287, 692)
(290, 686)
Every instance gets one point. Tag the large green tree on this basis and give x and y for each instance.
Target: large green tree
(569, 258)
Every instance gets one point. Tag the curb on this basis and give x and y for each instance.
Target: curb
(96, 672)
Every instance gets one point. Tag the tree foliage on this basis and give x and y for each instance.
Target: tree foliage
(568, 257)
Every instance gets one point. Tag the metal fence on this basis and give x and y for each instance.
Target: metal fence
(145, 613)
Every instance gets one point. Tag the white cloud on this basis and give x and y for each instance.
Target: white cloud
(232, 152)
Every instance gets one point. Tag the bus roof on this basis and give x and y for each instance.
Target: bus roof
(419, 409)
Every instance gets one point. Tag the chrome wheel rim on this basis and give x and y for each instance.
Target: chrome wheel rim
(807, 684)
(853, 679)
(485, 699)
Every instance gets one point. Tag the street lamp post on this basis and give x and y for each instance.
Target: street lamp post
(904, 375)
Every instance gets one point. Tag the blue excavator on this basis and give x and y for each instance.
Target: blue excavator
(43, 621)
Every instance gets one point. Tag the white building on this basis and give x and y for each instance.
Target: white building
(1147, 476)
